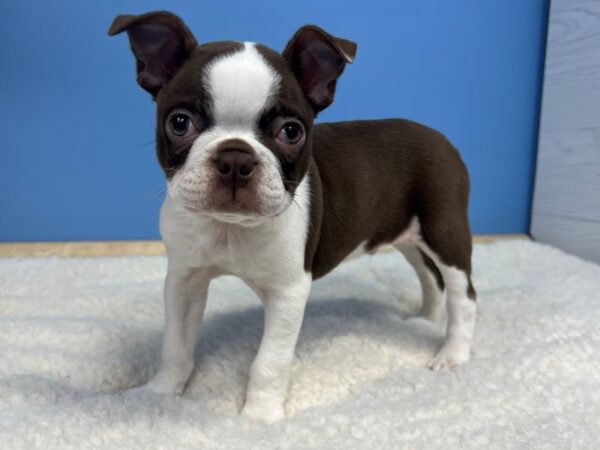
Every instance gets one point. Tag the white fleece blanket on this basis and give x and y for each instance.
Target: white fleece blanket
(75, 334)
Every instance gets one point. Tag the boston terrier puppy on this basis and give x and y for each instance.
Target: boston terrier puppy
(257, 190)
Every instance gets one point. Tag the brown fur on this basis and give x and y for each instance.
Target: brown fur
(369, 178)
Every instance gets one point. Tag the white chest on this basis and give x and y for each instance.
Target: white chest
(269, 251)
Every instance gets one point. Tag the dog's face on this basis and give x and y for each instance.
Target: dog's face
(234, 120)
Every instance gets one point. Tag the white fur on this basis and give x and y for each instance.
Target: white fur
(185, 295)
(461, 309)
(241, 85)
(461, 320)
(432, 296)
(269, 257)
(270, 371)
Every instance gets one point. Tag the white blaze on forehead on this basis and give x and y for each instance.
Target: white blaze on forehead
(241, 84)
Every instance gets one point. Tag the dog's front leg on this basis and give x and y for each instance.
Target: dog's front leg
(185, 299)
(270, 371)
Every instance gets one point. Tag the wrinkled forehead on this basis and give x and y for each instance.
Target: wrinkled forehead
(241, 85)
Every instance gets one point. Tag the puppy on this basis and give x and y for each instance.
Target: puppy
(258, 191)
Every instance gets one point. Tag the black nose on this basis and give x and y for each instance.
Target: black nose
(235, 166)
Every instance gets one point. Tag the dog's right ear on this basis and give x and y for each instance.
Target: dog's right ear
(161, 43)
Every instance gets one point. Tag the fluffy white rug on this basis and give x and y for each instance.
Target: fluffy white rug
(76, 333)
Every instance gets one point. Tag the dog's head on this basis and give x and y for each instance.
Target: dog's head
(234, 120)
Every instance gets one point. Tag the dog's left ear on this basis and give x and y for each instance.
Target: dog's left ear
(318, 59)
(161, 43)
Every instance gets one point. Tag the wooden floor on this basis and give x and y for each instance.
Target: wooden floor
(128, 248)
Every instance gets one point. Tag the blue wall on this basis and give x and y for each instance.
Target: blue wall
(77, 154)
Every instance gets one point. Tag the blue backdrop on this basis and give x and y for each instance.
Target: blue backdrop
(77, 153)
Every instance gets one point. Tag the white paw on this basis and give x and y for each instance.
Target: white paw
(266, 413)
(449, 356)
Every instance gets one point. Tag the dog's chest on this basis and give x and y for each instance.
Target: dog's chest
(260, 254)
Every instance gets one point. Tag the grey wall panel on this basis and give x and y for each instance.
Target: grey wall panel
(566, 206)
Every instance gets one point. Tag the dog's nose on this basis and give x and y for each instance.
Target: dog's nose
(235, 166)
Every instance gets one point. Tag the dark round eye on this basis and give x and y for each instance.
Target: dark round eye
(180, 125)
(291, 133)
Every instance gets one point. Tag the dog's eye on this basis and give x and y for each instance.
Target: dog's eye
(291, 133)
(180, 125)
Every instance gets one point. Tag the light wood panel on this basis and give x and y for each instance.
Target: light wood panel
(129, 248)
(566, 207)
(101, 248)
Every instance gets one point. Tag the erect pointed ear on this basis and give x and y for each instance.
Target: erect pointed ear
(160, 41)
(318, 59)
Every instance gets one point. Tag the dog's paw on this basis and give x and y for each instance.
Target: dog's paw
(448, 357)
(266, 413)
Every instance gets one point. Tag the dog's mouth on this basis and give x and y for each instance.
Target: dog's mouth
(246, 206)
(237, 219)
(234, 216)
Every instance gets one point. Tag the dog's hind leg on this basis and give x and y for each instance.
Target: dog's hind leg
(432, 283)
(450, 248)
